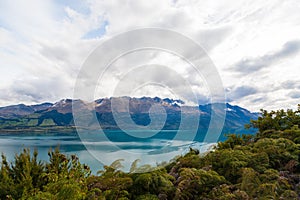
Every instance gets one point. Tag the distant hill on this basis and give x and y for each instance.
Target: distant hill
(20, 110)
(59, 117)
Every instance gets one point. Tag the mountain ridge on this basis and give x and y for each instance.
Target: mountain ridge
(59, 115)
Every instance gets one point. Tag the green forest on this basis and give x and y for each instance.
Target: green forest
(261, 166)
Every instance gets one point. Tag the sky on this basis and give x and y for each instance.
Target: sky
(254, 45)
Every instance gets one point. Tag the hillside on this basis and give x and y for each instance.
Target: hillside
(250, 167)
(59, 117)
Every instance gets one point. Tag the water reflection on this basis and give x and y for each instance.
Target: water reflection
(71, 144)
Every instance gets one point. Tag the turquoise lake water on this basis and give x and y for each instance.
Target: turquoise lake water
(98, 149)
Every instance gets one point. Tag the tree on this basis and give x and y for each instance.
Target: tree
(112, 183)
(157, 182)
(229, 162)
(280, 151)
(66, 177)
(235, 140)
(193, 183)
(276, 120)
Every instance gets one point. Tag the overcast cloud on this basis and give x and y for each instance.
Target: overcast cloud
(241, 92)
(252, 65)
(254, 45)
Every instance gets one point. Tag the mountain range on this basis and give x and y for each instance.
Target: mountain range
(59, 116)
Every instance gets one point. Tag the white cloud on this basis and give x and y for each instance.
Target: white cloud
(44, 43)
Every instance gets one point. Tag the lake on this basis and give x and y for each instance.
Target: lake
(98, 149)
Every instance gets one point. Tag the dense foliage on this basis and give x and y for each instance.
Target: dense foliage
(264, 166)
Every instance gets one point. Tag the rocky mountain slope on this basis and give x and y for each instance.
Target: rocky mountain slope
(48, 116)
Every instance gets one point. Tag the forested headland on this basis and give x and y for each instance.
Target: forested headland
(263, 166)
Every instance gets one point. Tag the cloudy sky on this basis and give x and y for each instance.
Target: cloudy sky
(255, 45)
